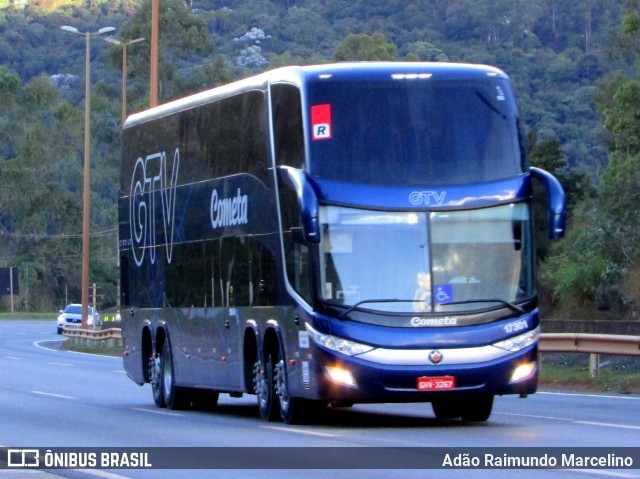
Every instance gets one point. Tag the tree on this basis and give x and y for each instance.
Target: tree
(592, 266)
(426, 52)
(365, 48)
(548, 155)
(41, 180)
(183, 40)
(622, 118)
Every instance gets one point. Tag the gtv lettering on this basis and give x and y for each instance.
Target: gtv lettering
(152, 184)
(427, 198)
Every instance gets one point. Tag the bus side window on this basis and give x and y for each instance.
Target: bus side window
(288, 127)
(263, 274)
(124, 281)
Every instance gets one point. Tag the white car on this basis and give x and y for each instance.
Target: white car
(71, 317)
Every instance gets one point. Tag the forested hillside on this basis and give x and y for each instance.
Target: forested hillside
(568, 60)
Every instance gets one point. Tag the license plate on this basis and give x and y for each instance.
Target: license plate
(436, 383)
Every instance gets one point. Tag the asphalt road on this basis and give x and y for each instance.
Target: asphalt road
(50, 398)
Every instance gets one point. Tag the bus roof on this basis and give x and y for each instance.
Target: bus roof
(355, 71)
(385, 70)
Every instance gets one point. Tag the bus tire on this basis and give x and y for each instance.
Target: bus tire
(289, 406)
(478, 408)
(293, 410)
(469, 408)
(264, 389)
(155, 378)
(447, 408)
(175, 397)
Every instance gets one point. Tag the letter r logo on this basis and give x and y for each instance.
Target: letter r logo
(321, 131)
(321, 122)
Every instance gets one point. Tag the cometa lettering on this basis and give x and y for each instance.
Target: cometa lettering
(418, 321)
(229, 211)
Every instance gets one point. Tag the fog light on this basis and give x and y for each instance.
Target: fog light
(523, 371)
(341, 376)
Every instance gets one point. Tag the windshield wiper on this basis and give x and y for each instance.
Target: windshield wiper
(367, 301)
(508, 304)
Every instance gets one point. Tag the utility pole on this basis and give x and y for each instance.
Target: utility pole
(153, 87)
(86, 202)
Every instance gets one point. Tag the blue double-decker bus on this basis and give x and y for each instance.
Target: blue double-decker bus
(332, 235)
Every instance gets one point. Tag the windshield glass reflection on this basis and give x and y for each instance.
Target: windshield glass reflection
(478, 259)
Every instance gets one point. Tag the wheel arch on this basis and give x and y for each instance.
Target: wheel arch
(272, 342)
(250, 352)
(147, 351)
(161, 336)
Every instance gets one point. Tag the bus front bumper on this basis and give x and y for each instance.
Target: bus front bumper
(380, 379)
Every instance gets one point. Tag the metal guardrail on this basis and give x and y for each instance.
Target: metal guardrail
(589, 343)
(594, 344)
(100, 337)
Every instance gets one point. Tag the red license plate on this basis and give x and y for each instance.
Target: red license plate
(436, 383)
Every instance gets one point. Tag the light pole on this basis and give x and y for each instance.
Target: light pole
(87, 162)
(124, 70)
(153, 74)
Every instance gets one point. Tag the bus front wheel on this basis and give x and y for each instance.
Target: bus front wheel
(479, 409)
(469, 408)
(293, 410)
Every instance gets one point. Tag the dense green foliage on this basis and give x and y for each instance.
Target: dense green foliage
(571, 61)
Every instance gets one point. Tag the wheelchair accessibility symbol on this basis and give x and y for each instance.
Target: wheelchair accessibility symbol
(444, 293)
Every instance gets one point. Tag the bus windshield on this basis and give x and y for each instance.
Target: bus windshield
(413, 132)
(477, 259)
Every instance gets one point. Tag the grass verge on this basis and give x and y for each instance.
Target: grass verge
(21, 315)
(617, 374)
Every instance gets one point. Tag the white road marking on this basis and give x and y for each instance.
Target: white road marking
(597, 472)
(61, 396)
(607, 424)
(299, 431)
(599, 396)
(155, 411)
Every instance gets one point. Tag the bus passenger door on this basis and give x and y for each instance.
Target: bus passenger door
(235, 294)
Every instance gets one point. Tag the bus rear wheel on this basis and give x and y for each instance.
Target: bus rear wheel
(264, 388)
(175, 397)
(155, 378)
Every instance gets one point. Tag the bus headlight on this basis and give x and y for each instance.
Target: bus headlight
(523, 371)
(341, 376)
(519, 342)
(341, 345)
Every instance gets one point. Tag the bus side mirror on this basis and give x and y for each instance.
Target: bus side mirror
(556, 201)
(307, 200)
